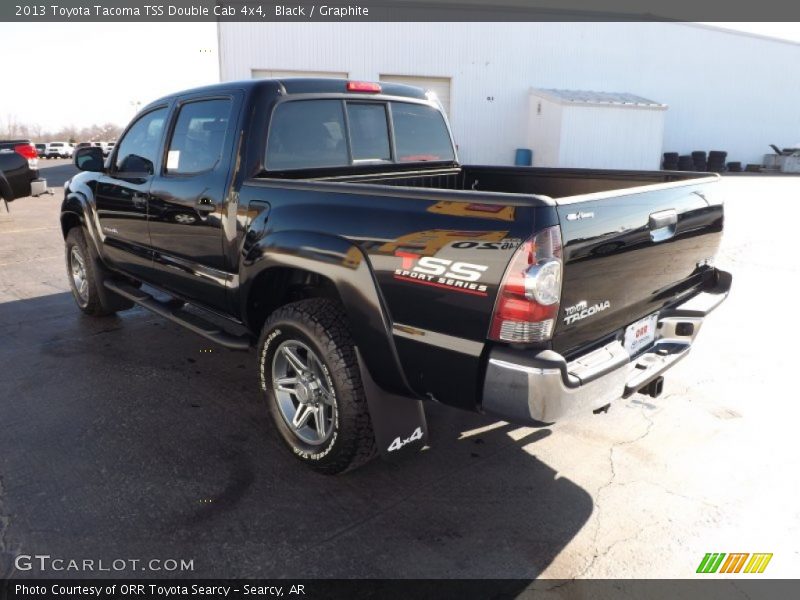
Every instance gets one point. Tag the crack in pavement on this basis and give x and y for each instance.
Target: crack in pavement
(666, 490)
(605, 486)
(598, 555)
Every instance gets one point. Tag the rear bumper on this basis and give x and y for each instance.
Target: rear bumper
(544, 387)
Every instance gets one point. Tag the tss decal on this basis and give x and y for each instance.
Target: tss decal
(441, 272)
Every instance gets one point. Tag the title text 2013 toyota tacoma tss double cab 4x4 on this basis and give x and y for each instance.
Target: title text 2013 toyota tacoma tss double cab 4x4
(329, 224)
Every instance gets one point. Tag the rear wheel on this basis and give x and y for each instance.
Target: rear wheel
(309, 373)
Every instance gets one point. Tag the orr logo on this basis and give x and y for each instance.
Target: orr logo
(444, 273)
(742, 562)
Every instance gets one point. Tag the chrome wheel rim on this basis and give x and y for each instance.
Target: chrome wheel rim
(77, 267)
(303, 392)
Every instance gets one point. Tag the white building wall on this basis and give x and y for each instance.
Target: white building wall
(602, 137)
(725, 91)
(544, 126)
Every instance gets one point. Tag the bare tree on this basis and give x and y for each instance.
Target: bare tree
(11, 128)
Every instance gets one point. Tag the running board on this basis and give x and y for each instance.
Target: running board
(190, 321)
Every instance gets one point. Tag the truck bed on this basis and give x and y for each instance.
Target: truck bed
(611, 257)
(553, 183)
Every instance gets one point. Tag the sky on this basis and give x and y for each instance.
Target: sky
(85, 73)
(98, 73)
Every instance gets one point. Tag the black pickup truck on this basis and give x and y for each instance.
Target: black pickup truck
(19, 170)
(329, 224)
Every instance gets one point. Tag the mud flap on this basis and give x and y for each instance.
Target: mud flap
(108, 299)
(398, 421)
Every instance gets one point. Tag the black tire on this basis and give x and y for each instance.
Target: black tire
(94, 300)
(321, 326)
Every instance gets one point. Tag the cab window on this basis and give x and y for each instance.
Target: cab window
(139, 147)
(198, 137)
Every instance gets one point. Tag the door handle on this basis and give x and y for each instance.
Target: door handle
(206, 205)
(663, 224)
(139, 201)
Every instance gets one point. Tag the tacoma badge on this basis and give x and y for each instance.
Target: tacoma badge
(581, 310)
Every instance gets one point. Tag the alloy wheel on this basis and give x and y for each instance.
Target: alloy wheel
(77, 267)
(303, 392)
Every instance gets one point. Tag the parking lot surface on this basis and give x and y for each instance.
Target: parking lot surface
(130, 438)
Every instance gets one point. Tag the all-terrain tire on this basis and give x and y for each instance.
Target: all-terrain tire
(320, 326)
(93, 299)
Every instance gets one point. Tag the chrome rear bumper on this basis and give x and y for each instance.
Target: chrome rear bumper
(544, 388)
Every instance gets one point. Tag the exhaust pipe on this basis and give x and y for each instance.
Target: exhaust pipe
(654, 388)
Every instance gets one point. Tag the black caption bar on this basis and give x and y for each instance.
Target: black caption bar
(397, 589)
(398, 10)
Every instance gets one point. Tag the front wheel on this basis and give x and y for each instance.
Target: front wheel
(309, 373)
(86, 279)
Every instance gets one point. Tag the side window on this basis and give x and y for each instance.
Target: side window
(139, 148)
(369, 131)
(199, 136)
(307, 134)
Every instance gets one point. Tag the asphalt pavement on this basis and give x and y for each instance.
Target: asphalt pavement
(129, 438)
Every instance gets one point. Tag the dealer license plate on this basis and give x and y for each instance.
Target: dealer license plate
(641, 334)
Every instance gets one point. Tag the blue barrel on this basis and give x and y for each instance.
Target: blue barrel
(524, 157)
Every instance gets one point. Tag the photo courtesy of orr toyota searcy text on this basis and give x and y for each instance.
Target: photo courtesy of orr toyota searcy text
(158, 591)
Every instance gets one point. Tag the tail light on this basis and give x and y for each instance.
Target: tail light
(363, 86)
(28, 151)
(527, 303)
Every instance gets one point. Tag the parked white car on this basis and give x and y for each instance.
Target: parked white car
(58, 150)
(107, 147)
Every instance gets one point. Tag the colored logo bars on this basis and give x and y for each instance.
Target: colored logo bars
(733, 563)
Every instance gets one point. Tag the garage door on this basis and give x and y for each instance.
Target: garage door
(439, 85)
(278, 74)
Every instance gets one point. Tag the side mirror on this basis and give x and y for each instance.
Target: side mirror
(89, 159)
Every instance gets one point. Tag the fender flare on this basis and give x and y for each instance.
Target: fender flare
(344, 263)
(77, 203)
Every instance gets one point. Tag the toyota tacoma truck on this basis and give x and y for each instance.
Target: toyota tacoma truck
(329, 225)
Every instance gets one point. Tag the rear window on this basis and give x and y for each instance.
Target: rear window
(306, 134)
(420, 133)
(369, 132)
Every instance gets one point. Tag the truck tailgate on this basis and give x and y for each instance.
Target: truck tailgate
(630, 254)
